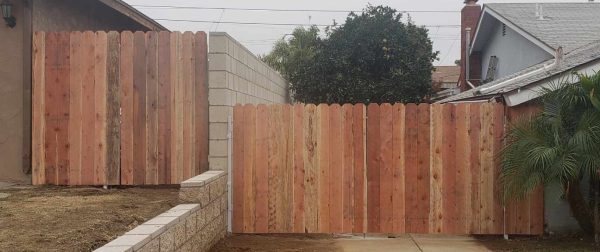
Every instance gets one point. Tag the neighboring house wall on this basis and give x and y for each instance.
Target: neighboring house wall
(13, 46)
(514, 52)
(236, 76)
(557, 212)
(15, 67)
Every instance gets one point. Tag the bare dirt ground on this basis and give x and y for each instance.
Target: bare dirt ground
(75, 219)
(300, 243)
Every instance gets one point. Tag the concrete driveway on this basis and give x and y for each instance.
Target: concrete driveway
(410, 243)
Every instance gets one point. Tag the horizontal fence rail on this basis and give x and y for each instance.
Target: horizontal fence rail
(119, 108)
(373, 169)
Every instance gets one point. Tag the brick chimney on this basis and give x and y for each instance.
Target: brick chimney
(469, 19)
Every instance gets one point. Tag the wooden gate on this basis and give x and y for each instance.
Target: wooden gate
(119, 108)
(373, 169)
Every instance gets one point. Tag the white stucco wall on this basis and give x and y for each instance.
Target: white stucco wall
(514, 52)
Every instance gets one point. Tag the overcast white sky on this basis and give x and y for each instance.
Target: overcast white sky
(260, 38)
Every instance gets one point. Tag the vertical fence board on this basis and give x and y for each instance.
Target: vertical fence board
(88, 109)
(299, 169)
(238, 169)
(386, 174)
(201, 101)
(164, 108)
(249, 189)
(152, 108)
(127, 108)
(287, 218)
(310, 156)
(437, 215)
(411, 170)
(323, 145)
(423, 154)
(399, 159)
(274, 167)
(38, 105)
(463, 175)
(100, 93)
(475, 129)
(336, 156)
(75, 101)
(360, 189)
(373, 168)
(186, 86)
(449, 175)
(262, 170)
(139, 108)
(347, 168)
(113, 107)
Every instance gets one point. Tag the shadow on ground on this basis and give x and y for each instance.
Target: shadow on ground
(409, 243)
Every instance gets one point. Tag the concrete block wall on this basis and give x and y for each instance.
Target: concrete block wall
(195, 226)
(236, 76)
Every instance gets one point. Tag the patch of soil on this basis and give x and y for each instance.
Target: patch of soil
(75, 219)
(276, 243)
(547, 243)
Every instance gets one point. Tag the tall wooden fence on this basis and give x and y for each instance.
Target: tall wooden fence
(373, 169)
(119, 108)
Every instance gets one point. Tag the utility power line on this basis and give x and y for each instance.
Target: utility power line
(276, 10)
(274, 24)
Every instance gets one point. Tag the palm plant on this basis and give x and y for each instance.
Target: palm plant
(560, 146)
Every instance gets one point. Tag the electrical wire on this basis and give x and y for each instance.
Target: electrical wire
(274, 24)
(276, 10)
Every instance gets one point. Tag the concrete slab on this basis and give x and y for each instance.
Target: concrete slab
(447, 243)
(376, 244)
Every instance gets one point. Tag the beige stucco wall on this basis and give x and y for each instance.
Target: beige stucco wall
(15, 68)
(11, 96)
(236, 76)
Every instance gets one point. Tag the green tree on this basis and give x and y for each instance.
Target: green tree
(287, 56)
(373, 57)
(560, 146)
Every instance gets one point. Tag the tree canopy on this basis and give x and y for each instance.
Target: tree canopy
(373, 57)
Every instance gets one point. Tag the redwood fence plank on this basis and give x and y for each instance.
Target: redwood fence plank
(437, 214)
(249, 189)
(323, 145)
(139, 108)
(348, 167)
(262, 170)
(360, 189)
(238, 169)
(201, 101)
(310, 155)
(299, 169)
(336, 156)
(386, 174)
(88, 110)
(127, 108)
(186, 86)
(449, 175)
(113, 107)
(399, 159)
(373, 169)
(164, 108)
(75, 117)
(151, 172)
(38, 108)
(463, 175)
(411, 168)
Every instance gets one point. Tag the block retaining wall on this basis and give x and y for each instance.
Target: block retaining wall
(196, 225)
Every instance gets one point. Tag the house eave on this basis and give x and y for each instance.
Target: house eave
(134, 14)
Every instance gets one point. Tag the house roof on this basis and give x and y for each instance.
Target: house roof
(573, 27)
(446, 74)
(579, 56)
(570, 25)
(134, 14)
